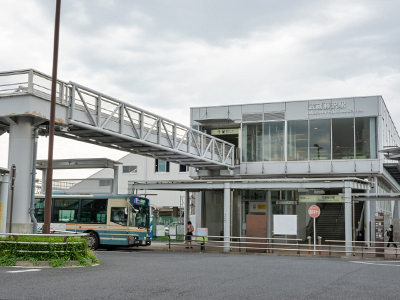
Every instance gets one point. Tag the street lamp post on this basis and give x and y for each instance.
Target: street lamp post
(49, 178)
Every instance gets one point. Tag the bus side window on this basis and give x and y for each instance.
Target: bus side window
(65, 210)
(94, 211)
(118, 215)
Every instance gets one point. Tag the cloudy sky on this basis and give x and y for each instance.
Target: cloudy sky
(168, 55)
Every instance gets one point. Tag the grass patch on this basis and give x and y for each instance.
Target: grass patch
(40, 248)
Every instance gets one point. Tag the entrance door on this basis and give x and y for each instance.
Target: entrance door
(256, 226)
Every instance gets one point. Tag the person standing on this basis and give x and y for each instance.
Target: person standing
(390, 234)
(189, 233)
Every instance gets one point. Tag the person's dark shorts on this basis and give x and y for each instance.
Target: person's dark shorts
(188, 236)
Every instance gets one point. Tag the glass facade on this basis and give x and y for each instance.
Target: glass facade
(365, 137)
(297, 143)
(252, 142)
(320, 139)
(343, 138)
(317, 139)
(274, 141)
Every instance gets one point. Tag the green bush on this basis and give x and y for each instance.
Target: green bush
(39, 248)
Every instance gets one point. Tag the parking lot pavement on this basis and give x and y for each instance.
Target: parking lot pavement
(138, 273)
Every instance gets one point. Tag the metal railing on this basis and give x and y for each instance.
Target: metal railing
(89, 109)
(56, 233)
(285, 246)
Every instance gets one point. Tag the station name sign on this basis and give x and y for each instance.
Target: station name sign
(225, 131)
(321, 199)
(337, 107)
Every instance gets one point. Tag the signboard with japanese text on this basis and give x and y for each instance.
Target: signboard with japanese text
(379, 233)
(321, 199)
(224, 131)
(160, 230)
(314, 211)
(334, 107)
(257, 207)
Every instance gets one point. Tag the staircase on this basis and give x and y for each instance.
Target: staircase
(330, 224)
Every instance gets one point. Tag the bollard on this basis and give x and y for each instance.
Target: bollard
(202, 245)
(169, 242)
(309, 244)
(319, 241)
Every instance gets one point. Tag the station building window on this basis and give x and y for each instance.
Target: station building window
(252, 142)
(297, 140)
(320, 139)
(365, 129)
(343, 138)
(274, 141)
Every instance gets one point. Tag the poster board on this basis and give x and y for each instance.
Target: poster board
(160, 230)
(172, 232)
(285, 224)
(180, 229)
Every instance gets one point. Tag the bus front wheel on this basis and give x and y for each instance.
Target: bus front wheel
(93, 241)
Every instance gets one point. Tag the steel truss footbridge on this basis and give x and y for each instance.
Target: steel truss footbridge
(89, 116)
(92, 117)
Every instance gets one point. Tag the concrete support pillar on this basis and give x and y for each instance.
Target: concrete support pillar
(20, 154)
(227, 216)
(269, 214)
(44, 176)
(348, 218)
(4, 187)
(372, 210)
(115, 180)
(186, 216)
(368, 219)
(367, 222)
(198, 206)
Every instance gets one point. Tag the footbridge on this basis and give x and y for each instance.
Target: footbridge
(90, 116)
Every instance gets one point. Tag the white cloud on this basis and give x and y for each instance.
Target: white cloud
(167, 56)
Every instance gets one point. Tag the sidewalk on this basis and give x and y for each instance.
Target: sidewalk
(303, 250)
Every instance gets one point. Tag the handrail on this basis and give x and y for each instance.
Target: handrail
(287, 246)
(93, 110)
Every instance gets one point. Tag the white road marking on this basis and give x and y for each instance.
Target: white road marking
(21, 271)
(389, 264)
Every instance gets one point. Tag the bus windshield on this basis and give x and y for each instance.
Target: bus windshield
(139, 216)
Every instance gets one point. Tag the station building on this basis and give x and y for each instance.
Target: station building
(291, 155)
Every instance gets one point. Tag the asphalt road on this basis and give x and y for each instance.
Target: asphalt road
(141, 274)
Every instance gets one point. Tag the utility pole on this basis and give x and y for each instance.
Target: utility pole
(49, 178)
